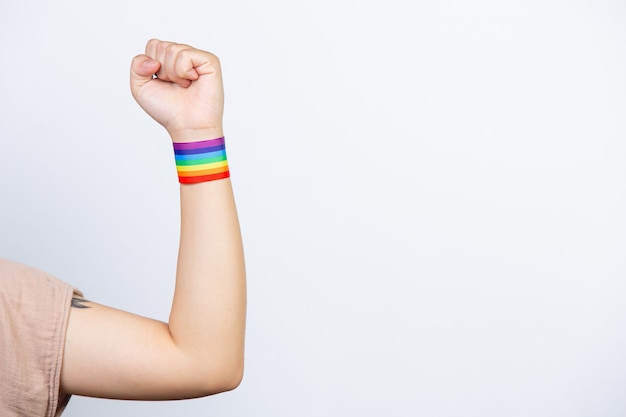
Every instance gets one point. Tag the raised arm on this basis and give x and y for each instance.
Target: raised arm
(114, 354)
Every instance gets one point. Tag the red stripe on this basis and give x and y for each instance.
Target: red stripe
(204, 178)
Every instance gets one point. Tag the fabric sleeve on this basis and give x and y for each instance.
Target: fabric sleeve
(34, 312)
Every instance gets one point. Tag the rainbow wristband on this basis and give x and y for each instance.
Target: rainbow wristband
(201, 161)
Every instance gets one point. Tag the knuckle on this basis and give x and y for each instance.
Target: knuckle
(163, 47)
(171, 48)
(152, 43)
(214, 59)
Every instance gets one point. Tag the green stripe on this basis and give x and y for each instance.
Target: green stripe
(202, 161)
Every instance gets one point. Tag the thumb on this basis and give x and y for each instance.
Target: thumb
(142, 68)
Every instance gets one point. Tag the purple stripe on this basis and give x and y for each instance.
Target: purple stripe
(201, 144)
(199, 150)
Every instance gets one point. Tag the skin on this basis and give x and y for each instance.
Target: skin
(115, 354)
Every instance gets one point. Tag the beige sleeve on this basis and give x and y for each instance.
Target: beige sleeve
(34, 311)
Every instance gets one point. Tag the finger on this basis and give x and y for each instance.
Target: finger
(190, 63)
(156, 50)
(142, 68)
(205, 63)
(151, 46)
(184, 65)
(166, 52)
(164, 72)
(175, 72)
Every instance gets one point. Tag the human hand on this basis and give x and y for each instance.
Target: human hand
(187, 95)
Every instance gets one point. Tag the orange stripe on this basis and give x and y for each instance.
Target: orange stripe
(202, 172)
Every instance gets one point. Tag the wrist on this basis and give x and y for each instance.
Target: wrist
(194, 135)
(201, 161)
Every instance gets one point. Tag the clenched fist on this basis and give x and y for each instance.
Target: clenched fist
(181, 88)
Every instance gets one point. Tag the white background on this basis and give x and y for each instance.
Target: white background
(432, 194)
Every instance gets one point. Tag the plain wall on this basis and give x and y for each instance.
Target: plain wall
(432, 194)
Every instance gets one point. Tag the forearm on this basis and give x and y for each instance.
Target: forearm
(115, 354)
(207, 320)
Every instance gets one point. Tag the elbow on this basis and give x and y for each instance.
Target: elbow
(231, 376)
(221, 378)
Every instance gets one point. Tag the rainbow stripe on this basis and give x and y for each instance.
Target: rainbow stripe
(201, 161)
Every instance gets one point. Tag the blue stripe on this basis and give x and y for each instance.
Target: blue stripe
(200, 155)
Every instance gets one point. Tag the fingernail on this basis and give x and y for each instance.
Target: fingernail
(149, 63)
